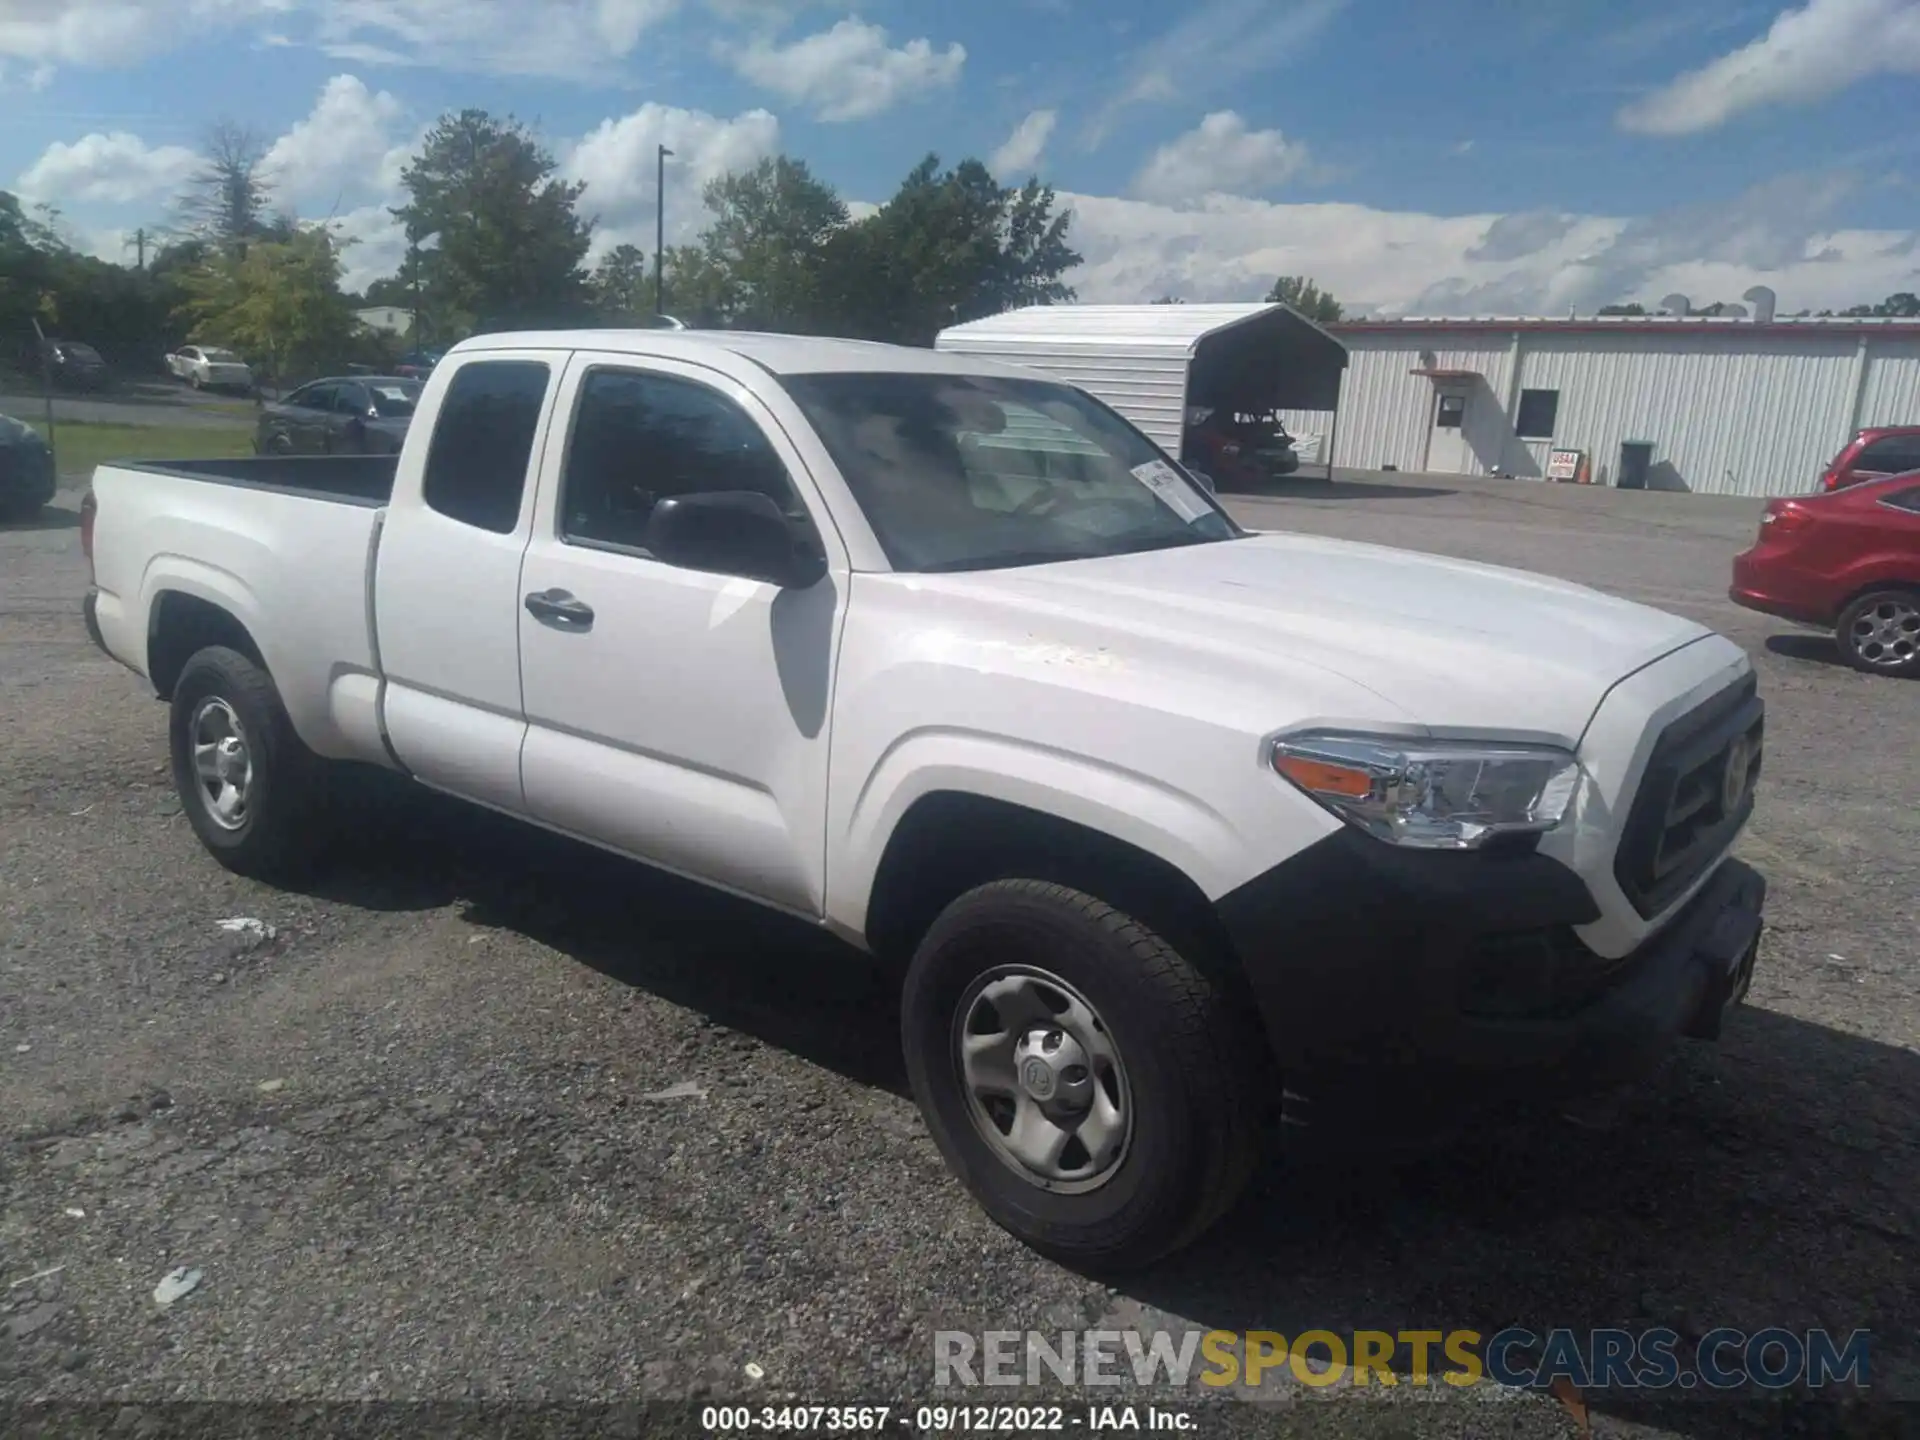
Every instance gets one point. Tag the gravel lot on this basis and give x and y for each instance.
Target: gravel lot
(491, 1116)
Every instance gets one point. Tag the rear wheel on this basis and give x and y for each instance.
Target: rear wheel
(1880, 632)
(1095, 1090)
(250, 787)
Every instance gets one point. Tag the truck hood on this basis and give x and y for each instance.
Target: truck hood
(1450, 645)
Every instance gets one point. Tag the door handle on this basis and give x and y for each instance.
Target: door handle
(561, 608)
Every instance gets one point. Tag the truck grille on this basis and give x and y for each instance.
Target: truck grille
(1695, 796)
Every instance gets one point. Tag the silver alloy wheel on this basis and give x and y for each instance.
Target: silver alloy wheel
(1887, 634)
(222, 762)
(1043, 1079)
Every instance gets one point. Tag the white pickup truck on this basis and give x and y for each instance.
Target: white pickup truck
(1173, 828)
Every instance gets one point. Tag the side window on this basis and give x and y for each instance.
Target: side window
(1894, 455)
(482, 441)
(314, 397)
(1538, 411)
(639, 439)
(1904, 499)
(350, 400)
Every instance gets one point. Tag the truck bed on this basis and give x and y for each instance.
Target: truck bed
(352, 479)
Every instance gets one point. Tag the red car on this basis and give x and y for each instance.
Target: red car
(1883, 450)
(1849, 559)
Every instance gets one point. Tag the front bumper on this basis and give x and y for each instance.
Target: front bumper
(1407, 995)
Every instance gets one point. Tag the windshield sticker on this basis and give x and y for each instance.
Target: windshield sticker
(389, 392)
(1174, 489)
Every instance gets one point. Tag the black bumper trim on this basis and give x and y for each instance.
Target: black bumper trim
(1363, 961)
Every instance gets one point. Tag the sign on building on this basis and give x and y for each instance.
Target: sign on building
(1564, 464)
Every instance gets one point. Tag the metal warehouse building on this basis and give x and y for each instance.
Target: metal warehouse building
(1729, 406)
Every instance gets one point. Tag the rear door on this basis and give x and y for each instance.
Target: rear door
(306, 419)
(677, 715)
(347, 419)
(447, 576)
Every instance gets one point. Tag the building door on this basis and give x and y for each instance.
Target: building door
(1447, 452)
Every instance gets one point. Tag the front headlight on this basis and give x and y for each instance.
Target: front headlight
(1433, 795)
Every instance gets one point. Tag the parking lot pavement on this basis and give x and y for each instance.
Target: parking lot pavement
(483, 1114)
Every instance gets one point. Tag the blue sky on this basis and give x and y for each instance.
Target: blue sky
(1418, 156)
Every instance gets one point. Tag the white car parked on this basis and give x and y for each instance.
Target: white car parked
(208, 367)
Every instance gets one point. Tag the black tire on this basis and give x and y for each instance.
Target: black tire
(279, 833)
(1195, 1072)
(1865, 644)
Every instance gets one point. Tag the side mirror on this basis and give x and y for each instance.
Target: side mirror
(733, 532)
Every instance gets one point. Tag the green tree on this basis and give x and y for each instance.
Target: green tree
(700, 289)
(1306, 297)
(620, 288)
(768, 235)
(1904, 306)
(506, 239)
(949, 247)
(1633, 308)
(279, 302)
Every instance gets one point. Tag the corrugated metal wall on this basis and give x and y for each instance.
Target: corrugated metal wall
(1148, 388)
(1386, 412)
(1891, 395)
(1739, 413)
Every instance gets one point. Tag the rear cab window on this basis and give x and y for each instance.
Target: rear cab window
(1890, 455)
(482, 441)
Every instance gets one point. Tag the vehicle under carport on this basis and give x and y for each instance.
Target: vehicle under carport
(1159, 364)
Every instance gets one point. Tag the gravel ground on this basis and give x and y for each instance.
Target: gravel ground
(487, 1116)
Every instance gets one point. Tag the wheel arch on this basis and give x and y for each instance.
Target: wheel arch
(949, 841)
(180, 623)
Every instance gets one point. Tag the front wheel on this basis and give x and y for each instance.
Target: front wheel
(1880, 632)
(250, 788)
(1096, 1091)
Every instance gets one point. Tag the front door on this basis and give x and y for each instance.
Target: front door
(677, 715)
(1447, 452)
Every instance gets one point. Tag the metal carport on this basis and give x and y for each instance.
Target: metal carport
(1151, 362)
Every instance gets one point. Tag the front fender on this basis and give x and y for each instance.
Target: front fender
(1179, 828)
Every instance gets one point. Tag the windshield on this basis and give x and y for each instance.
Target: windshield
(967, 472)
(394, 399)
(223, 357)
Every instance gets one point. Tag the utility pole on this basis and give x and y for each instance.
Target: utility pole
(660, 234)
(140, 248)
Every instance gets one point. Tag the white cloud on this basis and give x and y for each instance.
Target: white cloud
(49, 33)
(617, 160)
(560, 39)
(1409, 262)
(1219, 155)
(1807, 55)
(1025, 145)
(849, 72)
(378, 245)
(346, 146)
(1215, 48)
(108, 169)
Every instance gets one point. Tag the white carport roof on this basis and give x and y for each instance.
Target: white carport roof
(1296, 363)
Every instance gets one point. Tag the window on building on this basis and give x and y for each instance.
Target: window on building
(482, 442)
(639, 439)
(1538, 410)
(1891, 455)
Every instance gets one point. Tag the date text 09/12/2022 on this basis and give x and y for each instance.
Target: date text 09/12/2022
(944, 1419)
